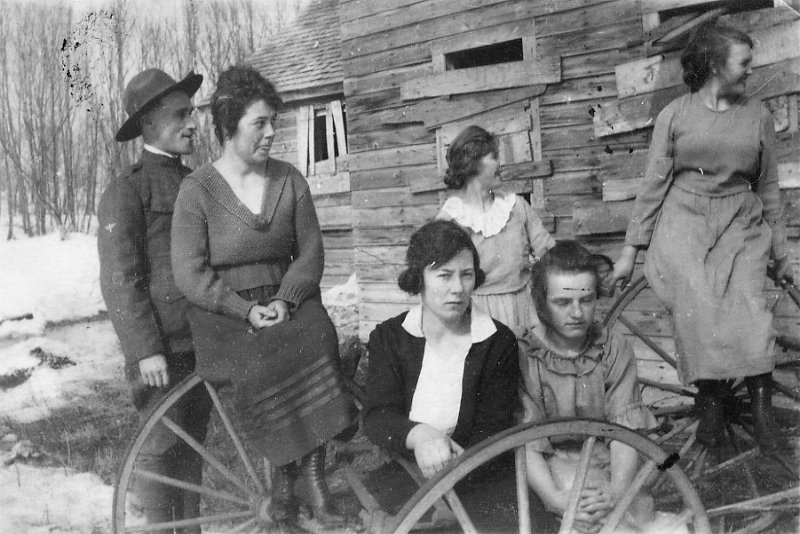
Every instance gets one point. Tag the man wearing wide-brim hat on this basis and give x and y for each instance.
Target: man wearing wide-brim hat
(147, 310)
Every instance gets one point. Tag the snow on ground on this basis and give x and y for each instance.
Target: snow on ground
(56, 280)
(92, 347)
(50, 278)
(51, 500)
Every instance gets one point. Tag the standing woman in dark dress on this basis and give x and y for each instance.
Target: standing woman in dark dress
(247, 252)
(710, 216)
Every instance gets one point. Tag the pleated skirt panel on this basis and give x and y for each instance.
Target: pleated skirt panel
(288, 386)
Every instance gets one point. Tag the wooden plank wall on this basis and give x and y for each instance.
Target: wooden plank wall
(331, 193)
(393, 162)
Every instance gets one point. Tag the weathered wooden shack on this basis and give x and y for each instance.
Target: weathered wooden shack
(304, 62)
(571, 87)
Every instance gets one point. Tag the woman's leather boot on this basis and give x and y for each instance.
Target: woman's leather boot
(284, 506)
(760, 389)
(711, 406)
(312, 467)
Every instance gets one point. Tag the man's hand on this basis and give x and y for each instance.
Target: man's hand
(154, 371)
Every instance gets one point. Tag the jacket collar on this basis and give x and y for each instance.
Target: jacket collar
(481, 325)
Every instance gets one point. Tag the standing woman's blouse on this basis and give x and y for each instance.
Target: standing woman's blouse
(710, 153)
(506, 236)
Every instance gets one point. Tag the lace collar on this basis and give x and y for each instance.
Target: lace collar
(488, 223)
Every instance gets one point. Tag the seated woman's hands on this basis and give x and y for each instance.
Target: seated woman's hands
(594, 504)
(273, 313)
(432, 449)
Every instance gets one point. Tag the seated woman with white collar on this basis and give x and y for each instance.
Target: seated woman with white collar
(444, 375)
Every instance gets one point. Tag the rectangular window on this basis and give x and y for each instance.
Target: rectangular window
(494, 54)
(321, 137)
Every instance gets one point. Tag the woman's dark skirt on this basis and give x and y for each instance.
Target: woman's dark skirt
(288, 387)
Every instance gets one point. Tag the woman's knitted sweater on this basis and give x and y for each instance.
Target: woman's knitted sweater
(220, 247)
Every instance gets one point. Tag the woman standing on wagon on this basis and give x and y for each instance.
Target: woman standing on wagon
(505, 229)
(247, 252)
(709, 216)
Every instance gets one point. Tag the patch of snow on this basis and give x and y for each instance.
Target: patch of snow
(342, 304)
(53, 279)
(53, 500)
(92, 346)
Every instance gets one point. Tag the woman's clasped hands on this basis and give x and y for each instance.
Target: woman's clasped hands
(432, 449)
(594, 504)
(273, 313)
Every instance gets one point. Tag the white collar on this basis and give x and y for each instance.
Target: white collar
(481, 325)
(489, 222)
(158, 151)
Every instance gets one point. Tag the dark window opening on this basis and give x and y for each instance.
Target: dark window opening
(321, 136)
(732, 6)
(504, 52)
(320, 139)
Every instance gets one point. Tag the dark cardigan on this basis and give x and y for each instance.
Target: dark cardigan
(489, 390)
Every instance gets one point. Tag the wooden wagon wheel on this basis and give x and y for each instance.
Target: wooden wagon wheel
(244, 495)
(758, 506)
(657, 464)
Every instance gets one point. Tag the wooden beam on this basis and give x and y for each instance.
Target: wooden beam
(654, 6)
(640, 111)
(615, 190)
(338, 121)
(463, 108)
(328, 185)
(302, 139)
(772, 45)
(687, 26)
(473, 80)
(331, 145)
(311, 148)
(596, 217)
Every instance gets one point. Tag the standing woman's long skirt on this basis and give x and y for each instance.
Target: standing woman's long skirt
(288, 387)
(707, 264)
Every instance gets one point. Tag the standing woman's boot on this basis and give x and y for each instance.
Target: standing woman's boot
(760, 389)
(312, 468)
(710, 405)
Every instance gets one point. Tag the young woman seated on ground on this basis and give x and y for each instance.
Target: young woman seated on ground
(444, 375)
(572, 367)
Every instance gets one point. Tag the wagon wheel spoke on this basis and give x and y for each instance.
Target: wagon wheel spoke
(238, 529)
(785, 390)
(237, 443)
(461, 514)
(625, 501)
(577, 485)
(684, 426)
(523, 495)
(683, 450)
(647, 341)
(194, 522)
(176, 483)
(207, 456)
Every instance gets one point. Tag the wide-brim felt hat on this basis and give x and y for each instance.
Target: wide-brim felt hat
(144, 90)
